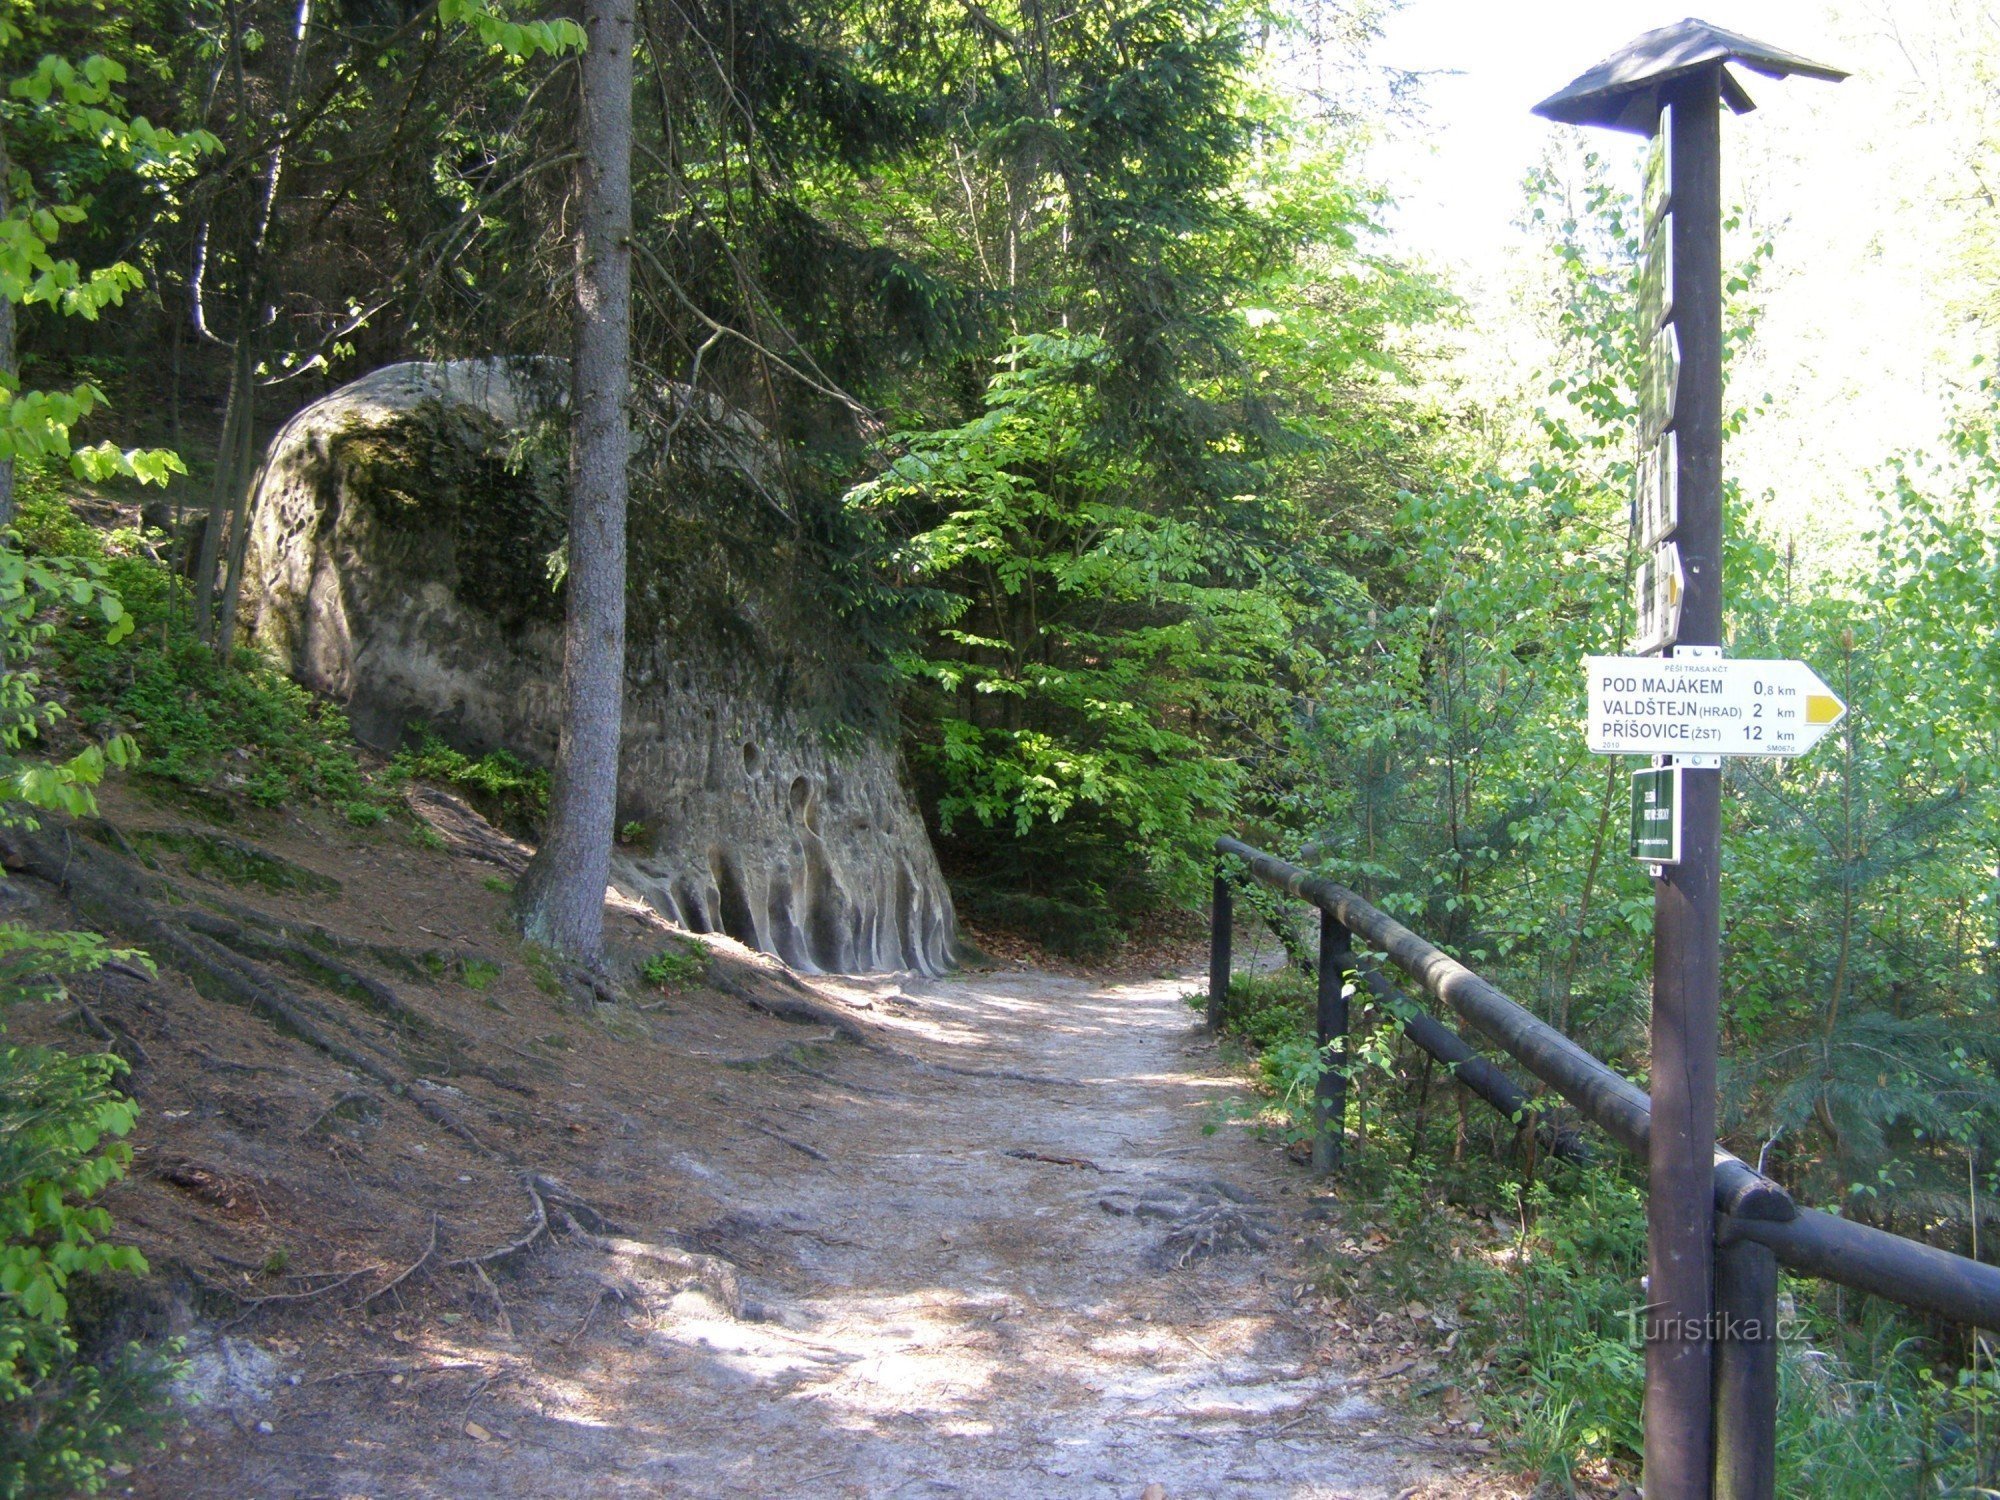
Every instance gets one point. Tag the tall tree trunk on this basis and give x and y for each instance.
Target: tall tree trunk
(236, 464)
(236, 414)
(560, 900)
(246, 468)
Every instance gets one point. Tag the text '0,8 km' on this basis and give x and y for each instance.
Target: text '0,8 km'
(1643, 705)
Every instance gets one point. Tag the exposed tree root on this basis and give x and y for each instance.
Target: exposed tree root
(254, 1304)
(552, 1208)
(114, 893)
(1057, 1161)
(711, 1273)
(351, 1096)
(271, 945)
(414, 1266)
(437, 1114)
(506, 1323)
(465, 831)
(811, 1153)
(1005, 1075)
(228, 976)
(572, 1209)
(112, 1035)
(783, 997)
(787, 1057)
(225, 949)
(538, 1226)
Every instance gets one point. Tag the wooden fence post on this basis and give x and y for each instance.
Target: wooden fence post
(1746, 1372)
(1336, 957)
(1220, 919)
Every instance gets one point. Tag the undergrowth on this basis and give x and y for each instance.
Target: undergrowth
(1525, 1287)
(675, 966)
(69, 1408)
(245, 727)
(199, 724)
(504, 789)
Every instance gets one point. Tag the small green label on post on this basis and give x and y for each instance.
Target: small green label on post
(1656, 815)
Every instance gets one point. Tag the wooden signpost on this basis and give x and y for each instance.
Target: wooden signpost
(1670, 85)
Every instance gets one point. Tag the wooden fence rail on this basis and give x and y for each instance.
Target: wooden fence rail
(1759, 1227)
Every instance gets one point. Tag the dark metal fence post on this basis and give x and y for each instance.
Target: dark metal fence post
(1746, 1372)
(1336, 957)
(1220, 920)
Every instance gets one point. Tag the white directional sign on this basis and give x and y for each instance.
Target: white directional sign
(1656, 505)
(1642, 705)
(1658, 588)
(1659, 384)
(1656, 277)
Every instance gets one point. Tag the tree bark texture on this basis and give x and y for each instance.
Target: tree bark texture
(560, 900)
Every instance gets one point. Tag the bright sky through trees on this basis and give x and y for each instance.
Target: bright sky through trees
(1458, 174)
(1872, 308)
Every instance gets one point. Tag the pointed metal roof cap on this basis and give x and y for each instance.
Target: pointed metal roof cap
(1624, 90)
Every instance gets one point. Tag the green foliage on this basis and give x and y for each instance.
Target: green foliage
(189, 719)
(676, 966)
(517, 41)
(61, 1117)
(35, 593)
(1266, 1009)
(1082, 640)
(200, 722)
(1274, 1015)
(1563, 1315)
(52, 110)
(1436, 766)
(506, 790)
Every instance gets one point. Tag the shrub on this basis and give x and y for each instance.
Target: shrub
(63, 1416)
(673, 967)
(196, 720)
(506, 790)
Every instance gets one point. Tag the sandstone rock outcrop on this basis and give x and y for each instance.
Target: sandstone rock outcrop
(405, 536)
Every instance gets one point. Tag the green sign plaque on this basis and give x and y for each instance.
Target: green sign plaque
(1656, 815)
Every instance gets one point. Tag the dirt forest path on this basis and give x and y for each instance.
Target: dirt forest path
(994, 1256)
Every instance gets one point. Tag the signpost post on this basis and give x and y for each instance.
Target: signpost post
(1670, 85)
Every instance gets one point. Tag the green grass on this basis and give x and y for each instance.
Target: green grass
(676, 966)
(478, 973)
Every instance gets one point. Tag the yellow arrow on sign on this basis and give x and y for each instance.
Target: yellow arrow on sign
(1823, 708)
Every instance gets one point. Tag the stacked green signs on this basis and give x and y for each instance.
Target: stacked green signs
(1659, 583)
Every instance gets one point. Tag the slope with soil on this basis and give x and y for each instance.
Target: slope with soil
(460, 1226)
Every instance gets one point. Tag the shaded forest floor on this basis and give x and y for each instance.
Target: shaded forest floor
(460, 1228)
